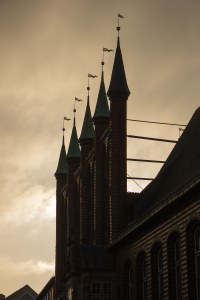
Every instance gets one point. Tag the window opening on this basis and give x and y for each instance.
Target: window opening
(177, 269)
(197, 260)
(130, 273)
(101, 291)
(144, 278)
(160, 274)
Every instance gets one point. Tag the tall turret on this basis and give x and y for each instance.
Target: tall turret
(61, 178)
(101, 121)
(86, 141)
(73, 162)
(118, 93)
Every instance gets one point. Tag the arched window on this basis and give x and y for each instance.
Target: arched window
(177, 259)
(141, 277)
(144, 278)
(174, 266)
(128, 281)
(130, 277)
(157, 272)
(197, 259)
(193, 259)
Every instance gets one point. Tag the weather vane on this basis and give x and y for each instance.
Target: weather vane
(118, 28)
(76, 99)
(105, 50)
(67, 119)
(92, 76)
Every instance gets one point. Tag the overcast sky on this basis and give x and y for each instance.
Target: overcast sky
(47, 49)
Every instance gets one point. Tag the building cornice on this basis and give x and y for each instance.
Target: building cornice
(180, 191)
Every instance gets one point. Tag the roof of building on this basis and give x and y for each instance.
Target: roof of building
(179, 175)
(46, 288)
(87, 129)
(118, 81)
(182, 164)
(62, 165)
(26, 292)
(73, 150)
(102, 109)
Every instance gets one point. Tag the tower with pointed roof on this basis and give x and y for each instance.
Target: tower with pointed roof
(73, 162)
(86, 141)
(93, 189)
(101, 120)
(114, 244)
(118, 93)
(61, 178)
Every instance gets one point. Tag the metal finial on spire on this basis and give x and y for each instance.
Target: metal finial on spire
(76, 99)
(107, 50)
(67, 119)
(118, 28)
(92, 76)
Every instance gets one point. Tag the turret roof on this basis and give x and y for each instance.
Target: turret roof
(62, 164)
(87, 129)
(102, 109)
(73, 150)
(118, 81)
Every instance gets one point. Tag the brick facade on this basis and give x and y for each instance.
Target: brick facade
(111, 244)
(160, 231)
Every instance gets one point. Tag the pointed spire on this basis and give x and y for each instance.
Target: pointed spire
(73, 150)
(62, 165)
(118, 83)
(87, 129)
(102, 109)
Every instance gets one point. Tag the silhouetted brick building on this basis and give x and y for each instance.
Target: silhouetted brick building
(111, 244)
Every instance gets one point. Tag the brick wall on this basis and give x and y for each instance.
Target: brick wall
(59, 267)
(160, 231)
(118, 166)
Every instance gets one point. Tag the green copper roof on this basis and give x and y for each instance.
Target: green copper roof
(73, 150)
(102, 109)
(87, 129)
(118, 83)
(62, 165)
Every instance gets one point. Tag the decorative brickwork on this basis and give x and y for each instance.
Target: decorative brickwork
(149, 243)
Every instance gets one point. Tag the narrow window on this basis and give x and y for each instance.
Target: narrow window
(128, 281)
(144, 278)
(156, 272)
(197, 259)
(177, 268)
(141, 277)
(160, 274)
(96, 291)
(130, 276)
(107, 290)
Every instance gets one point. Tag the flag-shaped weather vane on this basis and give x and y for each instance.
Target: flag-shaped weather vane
(90, 76)
(65, 119)
(119, 17)
(105, 50)
(76, 99)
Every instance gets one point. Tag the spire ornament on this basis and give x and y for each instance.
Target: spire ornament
(118, 28)
(90, 76)
(105, 50)
(67, 119)
(76, 99)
